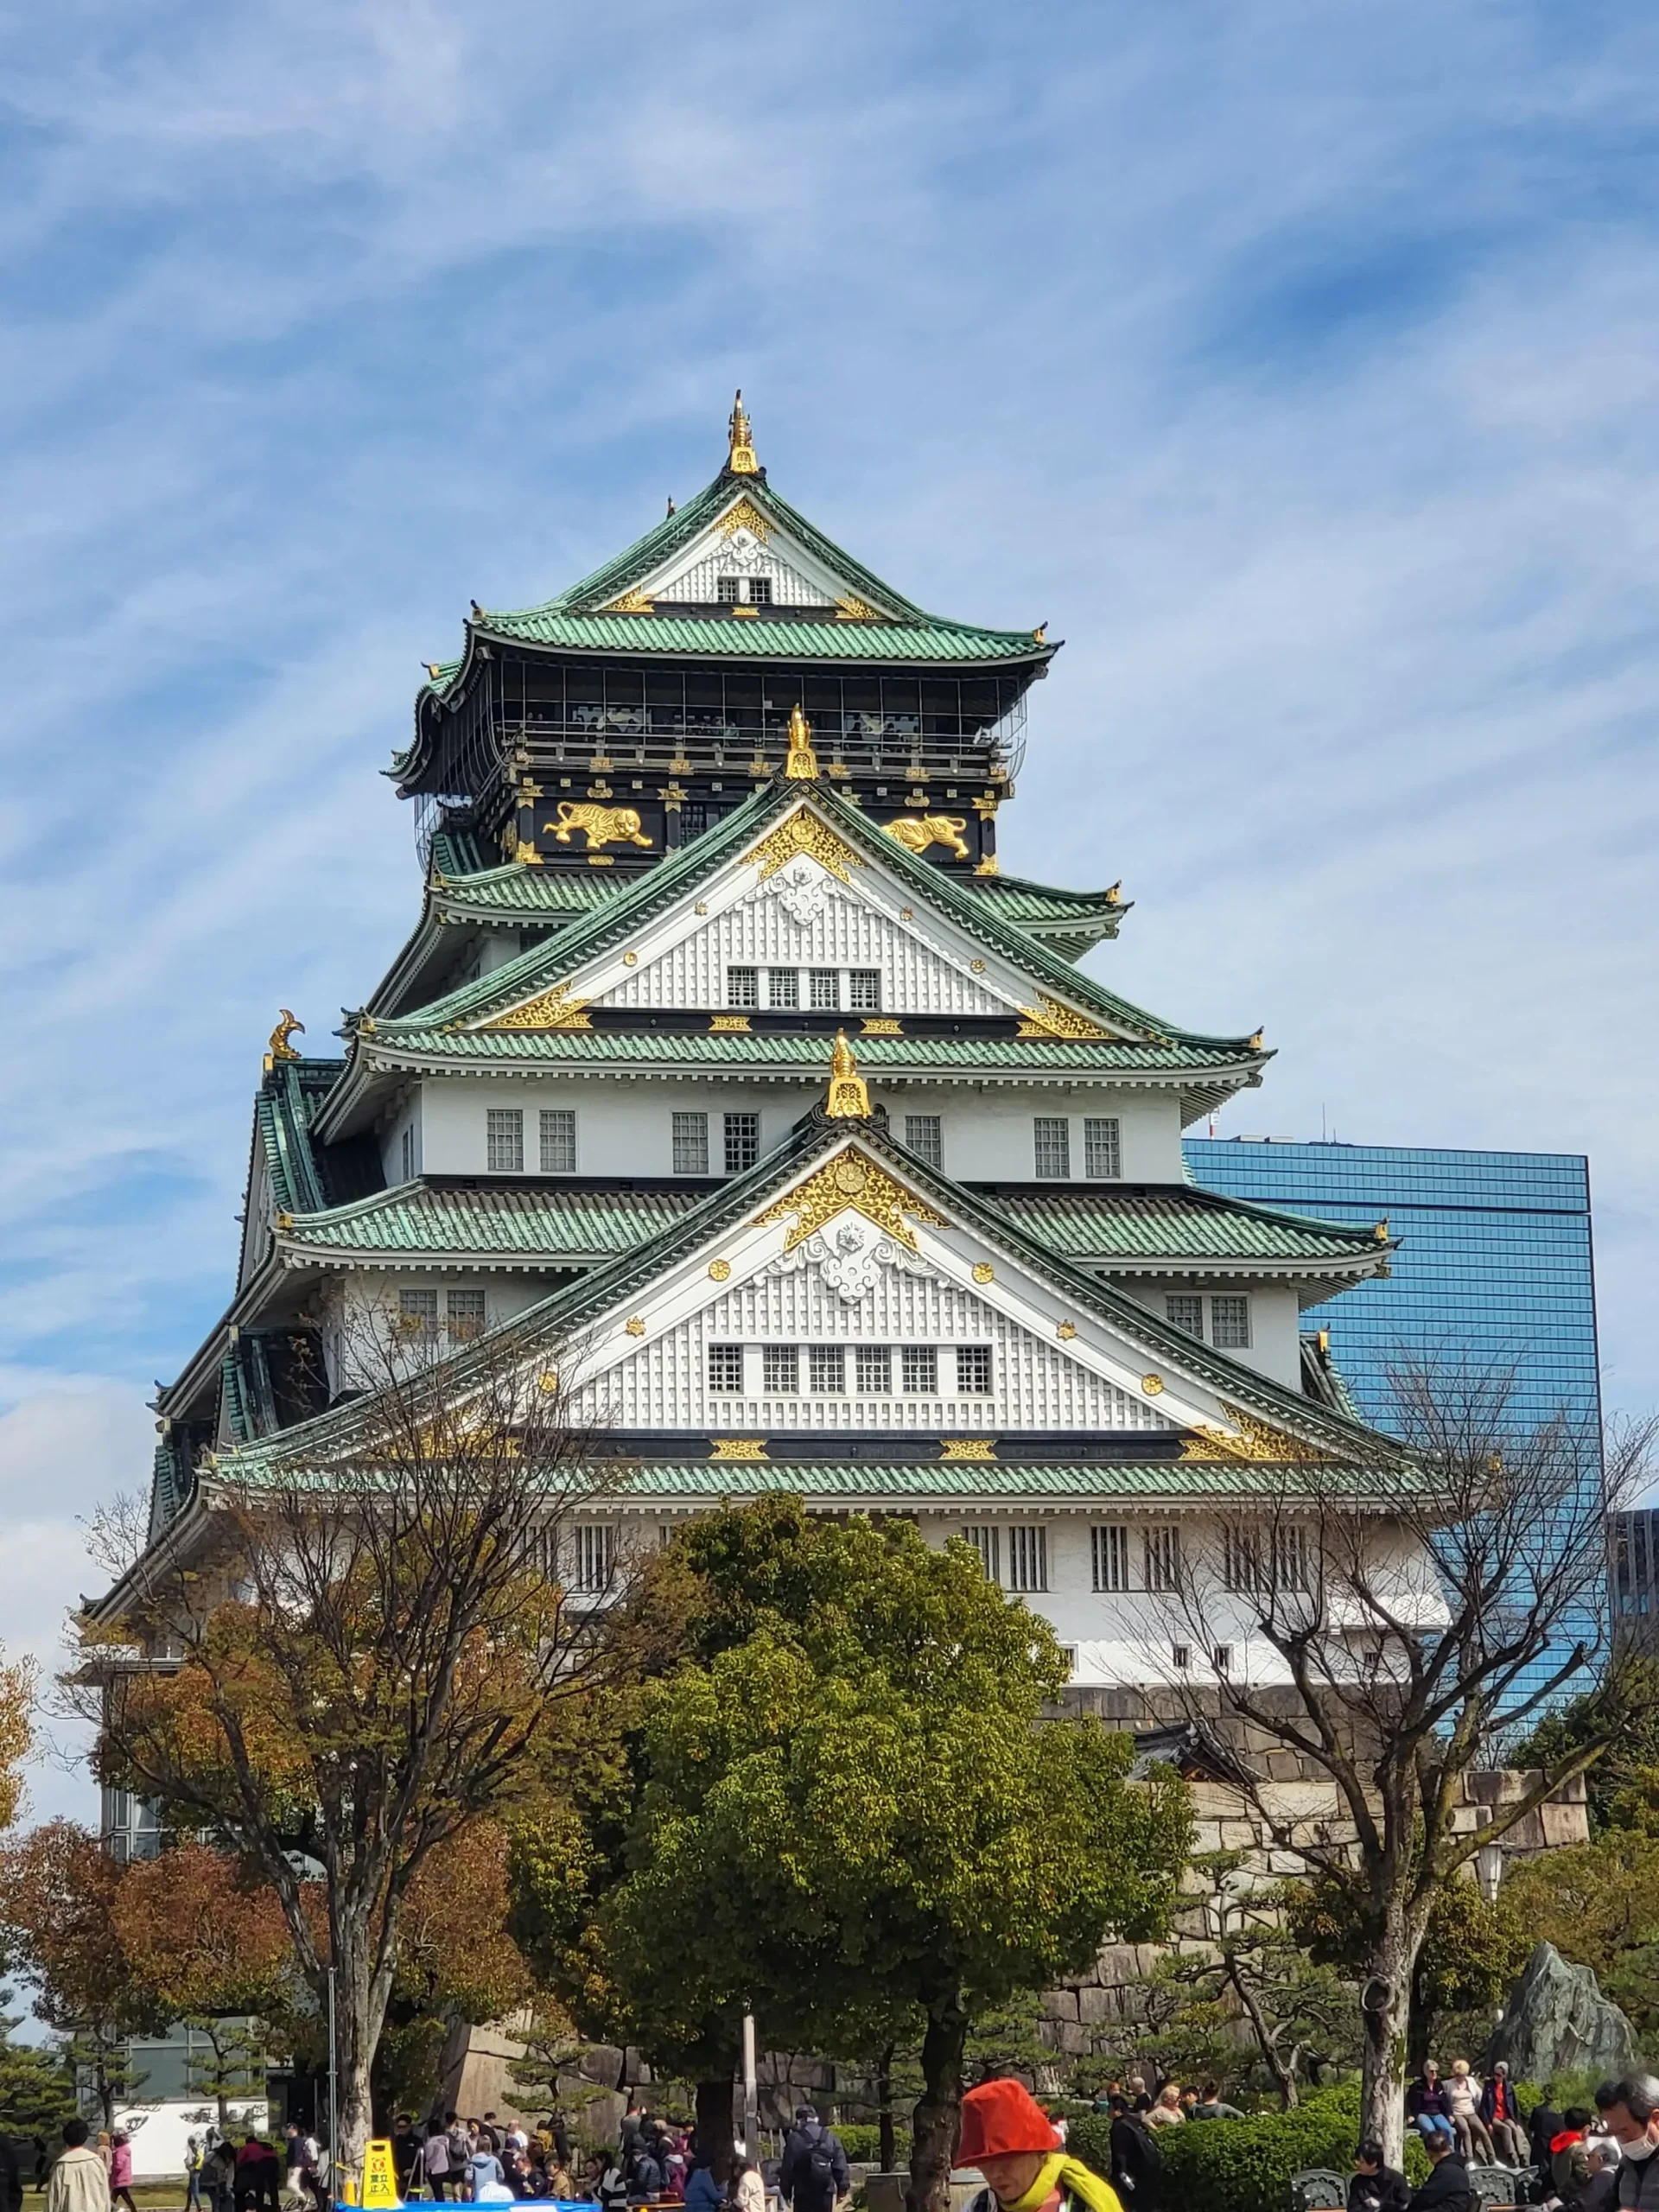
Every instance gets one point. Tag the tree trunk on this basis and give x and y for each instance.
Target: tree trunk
(717, 2123)
(1284, 2077)
(1385, 2002)
(887, 2149)
(937, 2121)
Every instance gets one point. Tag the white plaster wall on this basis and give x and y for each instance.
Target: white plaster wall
(364, 1301)
(1274, 1348)
(988, 1137)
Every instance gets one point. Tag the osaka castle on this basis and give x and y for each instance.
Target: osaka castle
(724, 1066)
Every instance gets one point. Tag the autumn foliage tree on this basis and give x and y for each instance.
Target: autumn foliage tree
(17, 1703)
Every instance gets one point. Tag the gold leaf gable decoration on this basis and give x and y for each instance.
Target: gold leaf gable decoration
(1256, 1439)
(632, 602)
(745, 516)
(552, 1010)
(850, 1180)
(804, 833)
(1048, 1018)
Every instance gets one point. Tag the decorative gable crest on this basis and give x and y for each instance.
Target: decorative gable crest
(850, 1181)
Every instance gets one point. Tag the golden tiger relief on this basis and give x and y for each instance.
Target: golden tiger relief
(916, 832)
(605, 825)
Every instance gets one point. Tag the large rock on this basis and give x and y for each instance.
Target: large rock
(1559, 2022)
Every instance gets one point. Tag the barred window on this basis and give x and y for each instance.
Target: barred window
(760, 591)
(1290, 1560)
(1229, 1323)
(417, 1314)
(726, 590)
(1222, 1658)
(1161, 1557)
(742, 987)
(924, 1134)
(919, 1368)
(864, 990)
(823, 989)
(1241, 1565)
(690, 1144)
(1103, 1151)
(826, 1367)
(504, 1128)
(558, 1141)
(742, 1141)
(1180, 1656)
(409, 1152)
(1027, 1558)
(465, 1315)
(780, 1370)
(782, 986)
(1108, 1555)
(986, 1542)
(725, 1367)
(1052, 1138)
(1186, 1313)
(973, 1369)
(873, 1370)
(593, 1563)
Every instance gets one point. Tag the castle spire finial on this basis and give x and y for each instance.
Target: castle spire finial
(741, 460)
(802, 766)
(849, 1095)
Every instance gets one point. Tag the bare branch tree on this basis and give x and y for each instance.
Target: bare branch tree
(1387, 1628)
(384, 1632)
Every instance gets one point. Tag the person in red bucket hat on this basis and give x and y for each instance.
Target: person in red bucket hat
(1010, 2138)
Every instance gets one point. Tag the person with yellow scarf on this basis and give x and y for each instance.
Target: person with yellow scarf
(1008, 2137)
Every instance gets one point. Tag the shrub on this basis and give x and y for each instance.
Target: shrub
(862, 2141)
(1242, 2166)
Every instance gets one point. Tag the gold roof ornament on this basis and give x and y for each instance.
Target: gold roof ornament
(279, 1048)
(1380, 1231)
(849, 1095)
(1254, 1041)
(802, 766)
(741, 460)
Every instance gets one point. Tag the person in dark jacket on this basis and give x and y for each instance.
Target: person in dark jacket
(1594, 2166)
(1374, 2187)
(814, 2172)
(1136, 2160)
(1502, 2116)
(1447, 2187)
(1427, 2097)
(1543, 2125)
(1630, 2113)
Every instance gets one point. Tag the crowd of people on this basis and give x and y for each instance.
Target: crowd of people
(1583, 2159)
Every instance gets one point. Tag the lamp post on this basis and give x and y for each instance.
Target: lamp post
(751, 2094)
(1489, 1869)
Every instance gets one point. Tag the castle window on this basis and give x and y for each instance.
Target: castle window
(1103, 1152)
(824, 990)
(504, 1131)
(1027, 1558)
(742, 987)
(987, 1543)
(760, 591)
(1108, 1556)
(924, 1134)
(864, 990)
(690, 1144)
(1229, 1323)
(417, 1314)
(826, 1367)
(726, 590)
(465, 1315)
(725, 1367)
(1162, 1557)
(782, 986)
(558, 1141)
(742, 1141)
(593, 1557)
(918, 1369)
(974, 1370)
(1186, 1313)
(409, 1152)
(1052, 1144)
(1241, 1565)
(873, 1370)
(780, 1370)
(1180, 1656)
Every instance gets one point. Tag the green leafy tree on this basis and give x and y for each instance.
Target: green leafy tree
(37, 2088)
(1598, 1903)
(852, 1813)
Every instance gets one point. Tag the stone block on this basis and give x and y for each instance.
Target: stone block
(601, 2062)
(1058, 2004)
(1096, 2006)
(1075, 2039)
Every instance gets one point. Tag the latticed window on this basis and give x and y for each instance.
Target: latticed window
(558, 1141)
(974, 1370)
(780, 1370)
(864, 990)
(726, 589)
(823, 989)
(760, 591)
(742, 1141)
(1027, 1558)
(919, 1368)
(1052, 1144)
(465, 1315)
(503, 1133)
(1161, 1559)
(742, 987)
(1108, 1556)
(417, 1314)
(593, 1557)
(873, 1370)
(1186, 1313)
(1103, 1151)
(985, 1541)
(690, 1144)
(782, 986)
(924, 1134)
(826, 1367)
(725, 1367)
(1229, 1323)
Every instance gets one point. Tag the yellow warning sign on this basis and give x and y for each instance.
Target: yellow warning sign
(379, 2177)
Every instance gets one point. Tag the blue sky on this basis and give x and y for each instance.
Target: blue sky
(1295, 364)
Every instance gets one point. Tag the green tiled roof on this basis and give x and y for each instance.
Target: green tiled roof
(544, 895)
(542, 1221)
(1104, 1479)
(1017, 900)
(288, 1101)
(724, 636)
